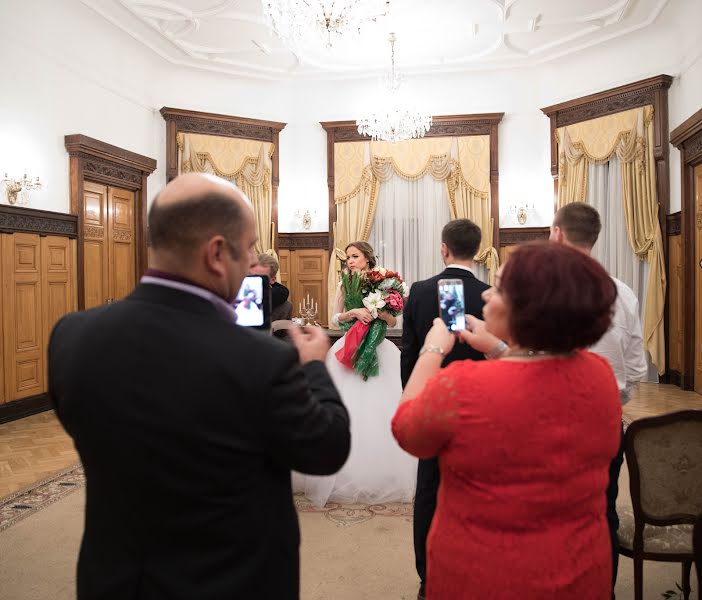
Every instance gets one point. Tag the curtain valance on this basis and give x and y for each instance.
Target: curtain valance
(247, 163)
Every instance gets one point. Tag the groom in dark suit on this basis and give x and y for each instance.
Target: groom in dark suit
(187, 424)
(460, 241)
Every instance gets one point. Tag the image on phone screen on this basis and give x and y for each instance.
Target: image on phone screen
(249, 303)
(451, 304)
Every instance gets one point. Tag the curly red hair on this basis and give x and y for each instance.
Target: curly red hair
(559, 298)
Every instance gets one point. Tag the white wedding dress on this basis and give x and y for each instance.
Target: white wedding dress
(377, 470)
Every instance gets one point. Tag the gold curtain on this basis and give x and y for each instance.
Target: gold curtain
(361, 167)
(356, 194)
(630, 135)
(247, 163)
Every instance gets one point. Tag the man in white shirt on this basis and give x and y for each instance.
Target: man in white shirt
(578, 225)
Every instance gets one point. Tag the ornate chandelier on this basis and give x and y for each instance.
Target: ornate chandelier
(301, 22)
(395, 122)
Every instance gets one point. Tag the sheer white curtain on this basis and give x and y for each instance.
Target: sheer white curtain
(613, 249)
(406, 231)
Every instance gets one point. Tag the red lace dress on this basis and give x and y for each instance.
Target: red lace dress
(524, 450)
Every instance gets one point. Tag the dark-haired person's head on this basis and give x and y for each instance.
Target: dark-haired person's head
(202, 228)
(550, 297)
(577, 224)
(460, 241)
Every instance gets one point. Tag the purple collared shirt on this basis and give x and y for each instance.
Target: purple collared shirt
(176, 282)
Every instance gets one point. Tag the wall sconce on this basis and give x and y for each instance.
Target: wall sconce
(306, 218)
(522, 212)
(13, 187)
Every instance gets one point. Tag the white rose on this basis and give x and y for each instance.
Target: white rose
(373, 302)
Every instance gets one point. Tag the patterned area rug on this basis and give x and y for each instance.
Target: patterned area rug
(39, 495)
(345, 515)
(27, 501)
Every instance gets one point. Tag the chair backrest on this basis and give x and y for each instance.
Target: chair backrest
(664, 455)
(697, 546)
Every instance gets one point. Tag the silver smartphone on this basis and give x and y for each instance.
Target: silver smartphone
(452, 308)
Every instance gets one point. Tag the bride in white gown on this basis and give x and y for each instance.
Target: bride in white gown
(377, 469)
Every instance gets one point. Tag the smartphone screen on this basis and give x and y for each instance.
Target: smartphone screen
(253, 303)
(452, 308)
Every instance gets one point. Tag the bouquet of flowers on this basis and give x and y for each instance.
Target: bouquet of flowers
(377, 290)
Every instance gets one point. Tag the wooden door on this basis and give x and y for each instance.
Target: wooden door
(95, 250)
(109, 251)
(675, 303)
(57, 281)
(23, 327)
(308, 277)
(698, 279)
(121, 247)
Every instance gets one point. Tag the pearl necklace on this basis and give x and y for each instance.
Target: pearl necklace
(533, 353)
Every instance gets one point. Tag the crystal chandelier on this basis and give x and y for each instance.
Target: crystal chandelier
(308, 22)
(395, 122)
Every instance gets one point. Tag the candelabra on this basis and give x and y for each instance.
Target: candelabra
(308, 310)
(14, 186)
(522, 212)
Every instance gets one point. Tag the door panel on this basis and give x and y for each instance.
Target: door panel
(308, 276)
(95, 251)
(122, 256)
(698, 279)
(57, 281)
(23, 330)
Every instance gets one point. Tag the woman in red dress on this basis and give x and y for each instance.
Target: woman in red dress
(524, 442)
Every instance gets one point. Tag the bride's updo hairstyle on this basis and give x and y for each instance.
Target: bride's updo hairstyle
(367, 251)
(559, 299)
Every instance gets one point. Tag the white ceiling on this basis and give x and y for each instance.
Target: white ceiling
(231, 36)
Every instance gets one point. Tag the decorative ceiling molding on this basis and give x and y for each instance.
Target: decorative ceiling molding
(232, 37)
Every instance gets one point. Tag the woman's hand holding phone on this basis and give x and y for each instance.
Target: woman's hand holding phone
(440, 336)
(476, 336)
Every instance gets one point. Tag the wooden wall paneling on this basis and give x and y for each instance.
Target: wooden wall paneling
(57, 283)
(687, 137)
(38, 276)
(96, 161)
(511, 237)
(308, 275)
(442, 126)
(284, 272)
(23, 330)
(3, 397)
(675, 303)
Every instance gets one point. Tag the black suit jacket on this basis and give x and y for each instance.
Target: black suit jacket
(423, 307)
(188, 426)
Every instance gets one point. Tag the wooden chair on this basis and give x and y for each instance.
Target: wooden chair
(697, 548)
(664, 456)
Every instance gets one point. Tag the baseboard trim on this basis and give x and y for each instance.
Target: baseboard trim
(18, 409)
(673, 378)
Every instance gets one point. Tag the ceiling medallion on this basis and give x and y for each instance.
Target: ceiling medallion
(302, 23)
(394, 121)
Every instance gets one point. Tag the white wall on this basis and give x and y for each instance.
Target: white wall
(66, 70)
(60, 77)
(685, 99)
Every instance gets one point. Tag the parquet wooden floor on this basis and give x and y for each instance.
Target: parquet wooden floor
(33, 448)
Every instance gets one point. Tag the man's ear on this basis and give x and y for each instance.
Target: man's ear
(214, 251)
(556, 234)
(444, 249)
